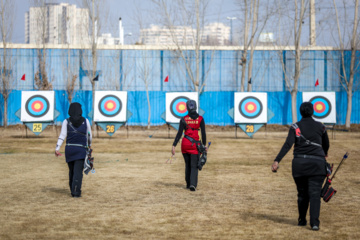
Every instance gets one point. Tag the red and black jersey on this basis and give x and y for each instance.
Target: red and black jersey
(191, 128)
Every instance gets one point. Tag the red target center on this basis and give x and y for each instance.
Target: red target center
(37, 106)
(110, 105)
(319, 107)
(250, 107)
(181, 107)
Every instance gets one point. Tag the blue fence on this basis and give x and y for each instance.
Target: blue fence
(220, 70)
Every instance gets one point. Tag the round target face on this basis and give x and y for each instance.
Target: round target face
(37, 106)
(250, 107)
(322, 106)
(110, 105)
(178, 107)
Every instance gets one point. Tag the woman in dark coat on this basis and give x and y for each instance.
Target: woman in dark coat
(77, 132)
(309, 163)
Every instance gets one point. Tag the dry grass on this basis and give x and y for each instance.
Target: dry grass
(135, 195)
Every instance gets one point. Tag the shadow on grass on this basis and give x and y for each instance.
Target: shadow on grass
(177, 185)
(274, 218)
(60, 191)
(33, 136)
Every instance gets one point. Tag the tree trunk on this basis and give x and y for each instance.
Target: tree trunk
(250, 69)
(349, 107)
(149, 105)
(5, 110)
(243, 71)
(93, 103)
(352, 66)
(293, 106)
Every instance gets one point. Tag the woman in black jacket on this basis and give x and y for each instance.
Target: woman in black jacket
(309, 163)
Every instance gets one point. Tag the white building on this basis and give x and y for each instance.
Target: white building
(157, 35)
(57, 24)
(216, 34)
(212, 34)
(107, 39)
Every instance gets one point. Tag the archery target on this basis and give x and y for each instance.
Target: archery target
(176, 105)
(37, 106)
(324, 105)
(110, 106)
(250, 107)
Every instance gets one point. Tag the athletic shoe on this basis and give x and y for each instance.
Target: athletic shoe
(302, 222)
(315, 228)
(192, 188)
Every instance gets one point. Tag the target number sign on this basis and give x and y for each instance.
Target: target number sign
(249, 128)
(110, 128)
(324, 105)
(37, 106)
(37, 127)
(176, 105)
(250, 108)
(110, 106)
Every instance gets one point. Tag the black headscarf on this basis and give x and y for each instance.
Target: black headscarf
(75, 113)
(191, 107)
(306, 109)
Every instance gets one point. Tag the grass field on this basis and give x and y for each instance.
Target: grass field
(134, 194)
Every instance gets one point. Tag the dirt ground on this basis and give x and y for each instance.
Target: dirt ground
(134, 194)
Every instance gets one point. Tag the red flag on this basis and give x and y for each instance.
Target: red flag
(23, 77)
(166, 79)
(317, 82)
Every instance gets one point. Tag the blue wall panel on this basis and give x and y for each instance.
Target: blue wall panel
(219, 69)
(215, 104)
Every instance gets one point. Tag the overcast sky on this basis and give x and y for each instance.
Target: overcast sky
(218, 10)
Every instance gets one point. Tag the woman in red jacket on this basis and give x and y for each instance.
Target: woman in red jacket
(192, 124)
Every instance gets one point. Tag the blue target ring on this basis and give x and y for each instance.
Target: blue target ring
(110, 106)
(37, 106)
(250, 107)
(322, 106)
(178, 107)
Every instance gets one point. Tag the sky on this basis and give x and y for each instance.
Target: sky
(126, 9)
(218, 11)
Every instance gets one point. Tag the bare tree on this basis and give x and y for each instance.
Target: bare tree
(96, 17)
(347, 74)
(145, 66)
(179, 17)
(6, 27)
(252, 27)
(292, 78)
(40, 12)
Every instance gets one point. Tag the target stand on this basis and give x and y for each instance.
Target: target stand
(37, 127)
(111, 111)
(37, 110)
(250, 112)
(175, 108)
(111, 127)
(324, 108)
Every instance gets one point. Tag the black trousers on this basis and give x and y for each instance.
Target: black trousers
(309, 189)
(191, 169)
(75, 177)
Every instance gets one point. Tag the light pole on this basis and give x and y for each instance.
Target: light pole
(231, 28)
